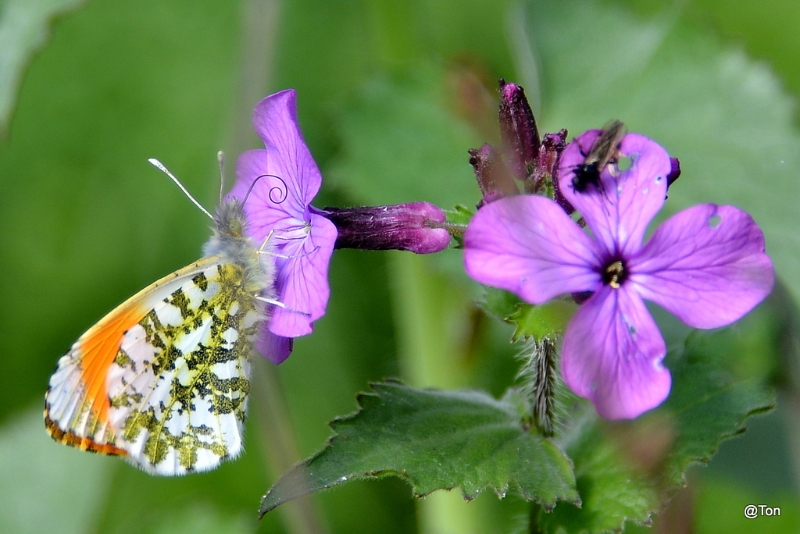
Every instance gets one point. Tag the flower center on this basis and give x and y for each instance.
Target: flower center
(614, 275)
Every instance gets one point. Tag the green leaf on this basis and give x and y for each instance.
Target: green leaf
(611, 489)
(434, 440)
(500, 303)
(24, 26)
(708, 402)
(549, 319)
(459, 215)
(625, 470)
(530, 321)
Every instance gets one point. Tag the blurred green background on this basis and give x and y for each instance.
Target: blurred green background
(391, 94)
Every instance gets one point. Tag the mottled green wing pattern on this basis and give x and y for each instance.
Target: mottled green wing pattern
(179, 383)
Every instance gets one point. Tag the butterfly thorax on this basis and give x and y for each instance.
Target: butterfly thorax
(231, 241)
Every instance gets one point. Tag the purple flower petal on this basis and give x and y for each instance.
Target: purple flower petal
(612, 355)
(706, 265)
(274, 348)
(276, 185)
(528, 245)
(619, 212)
(275, 120)
(270, 201)
(302, 281)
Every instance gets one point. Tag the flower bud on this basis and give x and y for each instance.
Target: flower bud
(544, 170)
(493, 176)
(417, 227)
(518, 130)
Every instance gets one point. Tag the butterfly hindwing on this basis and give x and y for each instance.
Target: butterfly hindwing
(178, 387)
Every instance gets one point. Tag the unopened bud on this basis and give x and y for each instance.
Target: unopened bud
(518, 130)
(545, 169)
(417, 227)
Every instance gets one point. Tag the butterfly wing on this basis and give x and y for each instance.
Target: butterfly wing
(163, 379)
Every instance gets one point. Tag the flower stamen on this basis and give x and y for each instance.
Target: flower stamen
(614, 275)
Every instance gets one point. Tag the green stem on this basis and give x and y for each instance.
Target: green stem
(455, 230)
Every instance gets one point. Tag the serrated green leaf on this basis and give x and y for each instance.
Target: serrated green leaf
(434, 440)
(611, 489)
(500, 303)
(24, 27)
(708, 402)
(625, 470)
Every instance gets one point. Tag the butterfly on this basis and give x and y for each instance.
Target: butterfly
(603, 151)
(163, 379)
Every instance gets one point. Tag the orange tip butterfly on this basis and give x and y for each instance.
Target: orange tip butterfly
(163, 379)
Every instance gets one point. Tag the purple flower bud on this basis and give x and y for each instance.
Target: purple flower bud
(546, 169)
(417, 227)
(493, 176)
(518, 130)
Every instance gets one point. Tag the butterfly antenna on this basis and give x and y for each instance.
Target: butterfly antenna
(160, 166)
(221, 160)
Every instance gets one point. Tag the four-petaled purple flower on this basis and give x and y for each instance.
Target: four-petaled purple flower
(705, 264)
(276, 185)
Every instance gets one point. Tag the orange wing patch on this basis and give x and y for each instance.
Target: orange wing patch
(76, 413)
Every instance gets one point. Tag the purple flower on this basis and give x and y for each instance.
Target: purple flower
(284, 179)
(705, 264)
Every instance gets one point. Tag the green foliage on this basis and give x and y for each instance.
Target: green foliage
(611, 488)
(530, 321)
(623, 471)
(709, 401)
(545, 320)
(435, 440)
